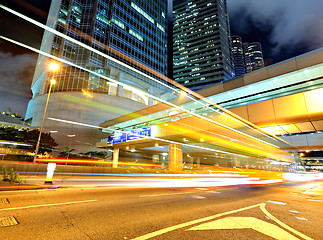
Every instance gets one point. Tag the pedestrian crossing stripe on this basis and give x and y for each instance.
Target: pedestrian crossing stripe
(8, 221)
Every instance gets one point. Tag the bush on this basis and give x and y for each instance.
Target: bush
(11, 177)
(5, 174)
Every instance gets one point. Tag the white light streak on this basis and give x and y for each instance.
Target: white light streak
(125, 65)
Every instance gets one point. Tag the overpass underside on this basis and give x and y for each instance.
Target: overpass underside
(296, 118)
(181, 138)
(275, 113)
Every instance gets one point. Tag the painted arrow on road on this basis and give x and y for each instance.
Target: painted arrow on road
(247, 222)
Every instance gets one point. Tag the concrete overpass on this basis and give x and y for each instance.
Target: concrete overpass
(283, 100)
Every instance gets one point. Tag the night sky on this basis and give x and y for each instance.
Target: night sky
(285, 28)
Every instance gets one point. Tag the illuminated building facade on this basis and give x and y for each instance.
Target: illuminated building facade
(133, 32)
(201, 43)
(135, 29)
(238, 56)
(253, 56)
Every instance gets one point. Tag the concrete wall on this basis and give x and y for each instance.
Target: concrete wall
(40, 169)
(75, 107)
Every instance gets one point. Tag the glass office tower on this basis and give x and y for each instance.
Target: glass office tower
(131, 31)
(201, 43)
(135, 29)
(253, 56)
(238, 56)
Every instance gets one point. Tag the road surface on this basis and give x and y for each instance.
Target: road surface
(280, 211)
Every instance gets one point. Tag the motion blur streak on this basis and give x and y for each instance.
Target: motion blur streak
(160, 182)
(94, 162)
(149, 95)
(302, 176)
(14, 143)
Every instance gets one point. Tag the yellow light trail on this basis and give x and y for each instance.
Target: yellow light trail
(62, 60)
(81, 161)
(137, 71)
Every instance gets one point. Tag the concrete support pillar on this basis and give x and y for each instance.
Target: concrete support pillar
(155, 158)
(113, 91)
(198, 161)
(175, 157)
(120, 88)
(115, 157)
(237, 162)
(151, 91)
(119, 91)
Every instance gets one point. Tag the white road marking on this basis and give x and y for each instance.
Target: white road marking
(164, 194)
(301, 218)
(314, 200)
(276, 202)
(293, 211)
(213, 191)
(262, 207)
(197, 197)
(249, 223)
(46, 205)
(182, 225)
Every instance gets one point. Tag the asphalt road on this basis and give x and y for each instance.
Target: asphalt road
(280, 211)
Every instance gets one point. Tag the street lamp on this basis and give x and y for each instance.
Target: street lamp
(54, 67)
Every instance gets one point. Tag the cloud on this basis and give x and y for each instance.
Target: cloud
(293, 23)
(16, 73)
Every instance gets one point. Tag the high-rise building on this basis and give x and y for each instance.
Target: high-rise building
(238, 56)
(201, 43)
(131, 31)
(253, 56)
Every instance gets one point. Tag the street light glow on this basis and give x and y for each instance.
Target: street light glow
(52, 81)
(53, 66)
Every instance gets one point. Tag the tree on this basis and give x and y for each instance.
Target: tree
(47, 143)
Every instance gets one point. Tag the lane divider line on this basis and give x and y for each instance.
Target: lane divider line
(164, 194)
(263, 208)
(182, 225)
(276, 202)
(314, 200)
(293, 211)
(46, 205)
(197, 197)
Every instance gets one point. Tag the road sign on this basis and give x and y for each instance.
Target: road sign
(266, 228)
(139, 133)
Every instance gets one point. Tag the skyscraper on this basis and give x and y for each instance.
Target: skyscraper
(134, 32)
(201, 43)
(238, 56)
(253, 56)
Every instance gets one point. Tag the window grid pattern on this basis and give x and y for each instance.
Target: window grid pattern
(140, 35)
(201, 43)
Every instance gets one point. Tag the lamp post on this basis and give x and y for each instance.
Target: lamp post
(54, 67)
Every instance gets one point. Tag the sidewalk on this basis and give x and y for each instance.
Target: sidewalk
(8, 186)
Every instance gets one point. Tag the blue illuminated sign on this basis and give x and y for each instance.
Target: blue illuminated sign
(120, 137)
(139, 133)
